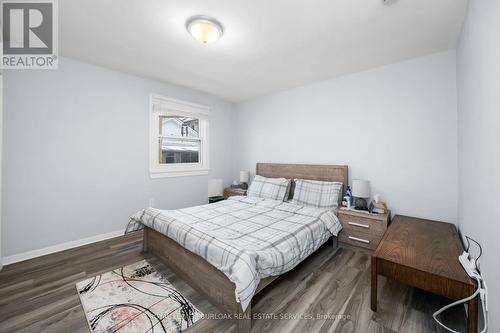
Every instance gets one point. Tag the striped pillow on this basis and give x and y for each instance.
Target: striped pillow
(269, 188)
(313, 193)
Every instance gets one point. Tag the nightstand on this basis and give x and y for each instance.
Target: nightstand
(361, 228)
(229, 192)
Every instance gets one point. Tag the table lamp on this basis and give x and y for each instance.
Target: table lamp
(244, 178)
(360, 192)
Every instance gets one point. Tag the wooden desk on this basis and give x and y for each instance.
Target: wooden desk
(424, 254)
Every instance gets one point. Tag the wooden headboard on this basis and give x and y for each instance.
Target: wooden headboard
(332, 173)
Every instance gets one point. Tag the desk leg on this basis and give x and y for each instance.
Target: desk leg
(472, 311)
(374, 285)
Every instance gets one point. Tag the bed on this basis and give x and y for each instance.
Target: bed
(228, 260)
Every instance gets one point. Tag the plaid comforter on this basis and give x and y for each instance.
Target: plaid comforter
(245, 238)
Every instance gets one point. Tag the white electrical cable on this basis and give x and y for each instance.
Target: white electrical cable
(479, 288)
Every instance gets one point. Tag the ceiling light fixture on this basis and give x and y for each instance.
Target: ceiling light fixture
(204, 29)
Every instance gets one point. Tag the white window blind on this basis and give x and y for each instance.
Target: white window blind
(179, 143)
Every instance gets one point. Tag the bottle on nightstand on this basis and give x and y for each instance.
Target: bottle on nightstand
(347, 199)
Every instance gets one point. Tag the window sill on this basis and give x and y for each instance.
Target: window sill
(171, 174)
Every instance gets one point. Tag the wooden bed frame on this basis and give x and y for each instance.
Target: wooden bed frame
(208, 280)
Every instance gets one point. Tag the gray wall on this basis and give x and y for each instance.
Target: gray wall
(395, 126)
(478, 82)
(76, 153)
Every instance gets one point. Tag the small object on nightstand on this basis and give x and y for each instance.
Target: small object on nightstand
(378, 207)
(347, 199)
(215, 199)
(215, 190)
(362, 229)
(231, 191)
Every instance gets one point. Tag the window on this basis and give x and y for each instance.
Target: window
(179, 138)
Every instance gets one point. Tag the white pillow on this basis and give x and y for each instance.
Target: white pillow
(319, 194)
(269, 188)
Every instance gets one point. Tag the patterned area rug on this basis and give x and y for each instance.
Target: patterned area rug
(135, 298)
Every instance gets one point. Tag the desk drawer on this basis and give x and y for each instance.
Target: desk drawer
(361, 239)
(365, 225)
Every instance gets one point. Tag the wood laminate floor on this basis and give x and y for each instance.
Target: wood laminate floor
(39, 295)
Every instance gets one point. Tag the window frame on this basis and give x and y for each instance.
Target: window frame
(162, 106)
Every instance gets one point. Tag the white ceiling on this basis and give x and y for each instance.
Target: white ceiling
(268, 45)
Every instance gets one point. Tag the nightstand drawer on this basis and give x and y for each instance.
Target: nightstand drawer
(362, 224)
(361, 239)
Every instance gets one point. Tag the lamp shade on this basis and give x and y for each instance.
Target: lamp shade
(360, 188)
(214, 187)
(244, 176)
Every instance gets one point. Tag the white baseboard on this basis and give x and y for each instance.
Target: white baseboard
(59, 247)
